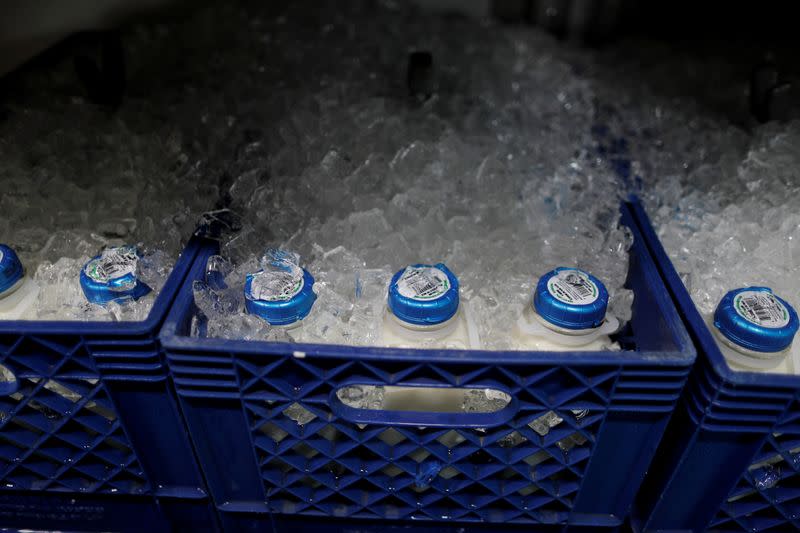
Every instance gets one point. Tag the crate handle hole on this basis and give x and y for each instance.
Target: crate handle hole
(423, 405)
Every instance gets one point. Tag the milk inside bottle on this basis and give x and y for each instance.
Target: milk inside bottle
(424, 311)
(568, 312)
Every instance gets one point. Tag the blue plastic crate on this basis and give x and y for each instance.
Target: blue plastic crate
(335, 473)
(732, 432)
(91, 436)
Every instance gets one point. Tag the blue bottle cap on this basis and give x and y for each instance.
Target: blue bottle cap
(424, 295)
(571, 298)
(113, 275)
(280, 296)
(11, 270)
(756, 319)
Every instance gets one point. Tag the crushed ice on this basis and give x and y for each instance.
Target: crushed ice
(496, 174)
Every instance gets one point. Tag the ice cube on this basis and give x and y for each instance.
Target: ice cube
(484, 401)
(543, 424)
(299, 414)
(362, 396)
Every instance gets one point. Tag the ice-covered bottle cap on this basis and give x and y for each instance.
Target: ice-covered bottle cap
(571, 298)
(756, 319)
(280, 296)
(424, 295)
(11, 270)
(113, 275)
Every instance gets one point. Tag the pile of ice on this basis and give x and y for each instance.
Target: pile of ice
(77, 178)
(496, 174)
(723, 193)
(76, 182)
(735, 221)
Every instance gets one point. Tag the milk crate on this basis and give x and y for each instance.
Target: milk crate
(345, 469)
(91, 435)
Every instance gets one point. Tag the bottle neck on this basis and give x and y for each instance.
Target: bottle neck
(531, 324)
(563, 331)
(13, 288)
(747, 357)
(426, 328)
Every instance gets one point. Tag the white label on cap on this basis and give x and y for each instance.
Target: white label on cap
(277, 285)
(423, 283)
(113, 263)
(2, 255)
(573, 287)
(762, 308)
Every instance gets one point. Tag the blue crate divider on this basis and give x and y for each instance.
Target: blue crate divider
(91, 435)
(264, 470)
(730, 458)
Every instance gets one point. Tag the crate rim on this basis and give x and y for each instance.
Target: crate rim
(683, 356)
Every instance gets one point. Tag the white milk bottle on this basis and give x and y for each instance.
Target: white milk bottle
(424, 311)
(568, 313)
(754, 330)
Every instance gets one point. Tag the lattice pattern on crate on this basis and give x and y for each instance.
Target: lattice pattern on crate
(58, 428)
(767, 497)
(313, 462)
